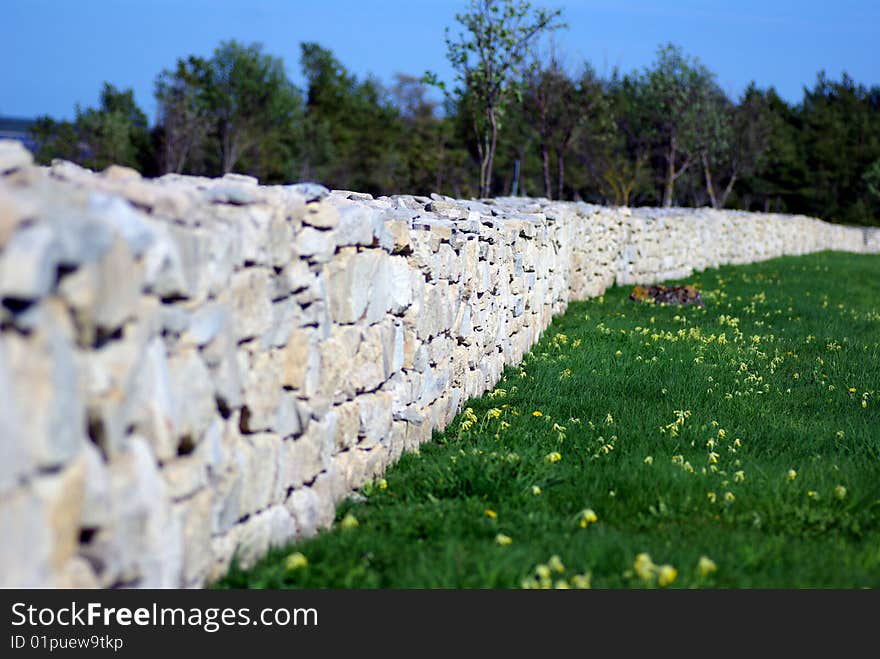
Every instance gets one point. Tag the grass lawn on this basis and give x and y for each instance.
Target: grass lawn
(736, 446)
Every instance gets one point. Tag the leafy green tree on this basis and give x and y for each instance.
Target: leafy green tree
(871, 177)
(249, 99)
(841, 138)
(488, 56)
(55, 139)
(114, 133)
(352, 128)
(617, 151)
(426, 150)
(678, 96)
(184, 120)
(737, 144)
(779, 180)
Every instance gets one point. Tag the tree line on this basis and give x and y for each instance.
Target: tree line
(517, 121)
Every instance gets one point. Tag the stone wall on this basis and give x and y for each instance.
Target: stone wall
(195, 368)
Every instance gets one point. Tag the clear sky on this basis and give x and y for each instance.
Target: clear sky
(57, 53)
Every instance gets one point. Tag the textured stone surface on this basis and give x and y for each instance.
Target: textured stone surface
(192, 369)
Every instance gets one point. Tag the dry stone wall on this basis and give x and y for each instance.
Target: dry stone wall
(192, 368)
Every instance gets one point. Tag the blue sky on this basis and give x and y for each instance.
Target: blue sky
(57, 53)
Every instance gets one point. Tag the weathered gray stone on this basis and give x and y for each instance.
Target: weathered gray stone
(367, 368)
(47, 393)
(300, 361)
(234, 193)
(338, 373)
(13, 156)
(355, 225)
(288, 423)
(315, 245)
(300, 460)
(14, 210)
(303, 505)
(350, 282)
(25, 553)
(14, 462)
(321, 215)
(193, 517)
(29, 263)
(400, 291)
(249, 303)
(193, 390)
(120, 173)
(144, 546)
(156, 414)
(375, 416)
(105, 293)
(63, 497)
(310, 191)
(259, 483)
(119, 218)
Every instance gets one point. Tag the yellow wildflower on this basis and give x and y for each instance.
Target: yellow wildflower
(729, 497)
(491, 514)
(739, 476)
(536, 490)
(581, 581)
(666, 574)
(555, 564)
(712, 497)
(644, 567)
(706, 566)
(349, 522)
(588, 516)
(792, 474)
(295, 561)
(543, 571)
(383, 484)
(648, 460)
(840, 492)
(537, 413)
(556, 456)
(503, 540)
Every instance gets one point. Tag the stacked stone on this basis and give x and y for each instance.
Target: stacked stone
(193, 368)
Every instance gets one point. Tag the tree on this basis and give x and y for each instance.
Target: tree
(425, 150)
(352, 128)
(840, 139)
(249, 98)
(487, 57)
(736, 142)
(677, 94)
(114, 133)
(617, 150)
(183, 113)
(871, 177)
(779, 180)
(55, 139)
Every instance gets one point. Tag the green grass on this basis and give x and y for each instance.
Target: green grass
(794, 385)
